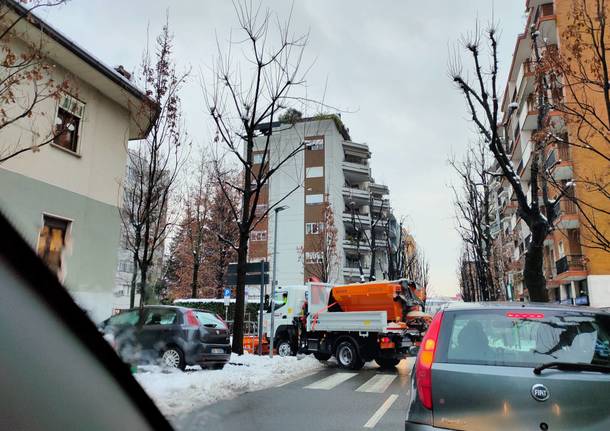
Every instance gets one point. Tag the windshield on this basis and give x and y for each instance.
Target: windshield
(526, 338)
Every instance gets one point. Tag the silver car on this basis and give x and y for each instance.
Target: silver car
(513, 367)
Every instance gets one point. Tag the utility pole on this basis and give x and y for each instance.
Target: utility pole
(274, 280)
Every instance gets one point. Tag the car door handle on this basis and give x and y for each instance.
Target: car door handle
(284, 316)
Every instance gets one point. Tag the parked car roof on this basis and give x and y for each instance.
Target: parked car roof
(453, 306)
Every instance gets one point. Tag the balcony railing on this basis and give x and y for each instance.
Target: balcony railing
(573, 262)
(564, 152)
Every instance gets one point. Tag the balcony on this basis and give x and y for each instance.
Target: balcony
(354, 272)
(356, 149)
(353, 194)
(379, 189)
(360, 219)
(356, 172)
(567, 214)
(570, 263)
(562, 168)
(350, 245)
(381, 203)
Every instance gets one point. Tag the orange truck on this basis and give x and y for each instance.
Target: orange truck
(355, 323)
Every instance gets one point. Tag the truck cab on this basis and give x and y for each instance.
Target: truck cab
(289, 302)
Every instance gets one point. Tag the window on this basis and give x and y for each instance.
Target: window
(161, 317)
(313, 228)
(67, 123)
(314, 172)
(126, 318)
(562, 251)
(52, 241)
(210, 319)
(313, 257)
(314, 199)
(257, 158)
(126, 265)
(525, 338)
(260, 209)
(314, 144)
(258, 235)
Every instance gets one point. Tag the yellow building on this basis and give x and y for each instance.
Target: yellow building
(577, 271)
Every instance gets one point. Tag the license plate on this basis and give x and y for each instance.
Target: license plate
(218, 350)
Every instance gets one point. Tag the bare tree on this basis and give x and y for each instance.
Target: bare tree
(154, 165)
(244, 102)
(30, 83)
(196, 217)
(323, 242)
(580, 75)
(482, 100)
(472, 204)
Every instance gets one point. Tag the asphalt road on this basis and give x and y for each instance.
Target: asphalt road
(331, 399)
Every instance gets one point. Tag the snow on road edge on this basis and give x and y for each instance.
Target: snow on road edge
(176, 392)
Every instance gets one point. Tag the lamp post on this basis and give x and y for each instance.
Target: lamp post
(273, 280)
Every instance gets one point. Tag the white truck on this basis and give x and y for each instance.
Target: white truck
(355, 323)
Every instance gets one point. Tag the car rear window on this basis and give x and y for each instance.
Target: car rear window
(523, 337)
(210, 319)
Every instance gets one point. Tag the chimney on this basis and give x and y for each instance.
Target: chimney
(121, 70)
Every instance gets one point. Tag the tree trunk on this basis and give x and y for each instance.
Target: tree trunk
(134, 281)
(238, 321)
(195, 276)
(143, 284)
(533, 276)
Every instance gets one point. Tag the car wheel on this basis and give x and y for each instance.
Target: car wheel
(173, 358)
(218, 366)
(348, 357)
(321, 356)
(387, 363)
(284, 348)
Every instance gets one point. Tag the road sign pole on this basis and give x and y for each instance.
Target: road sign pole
(260, 310)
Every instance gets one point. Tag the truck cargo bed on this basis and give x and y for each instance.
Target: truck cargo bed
(361, 321)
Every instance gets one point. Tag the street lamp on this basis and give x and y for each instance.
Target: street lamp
(273, 279)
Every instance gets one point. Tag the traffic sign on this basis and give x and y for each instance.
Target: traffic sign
(251, 268)
(227, 293)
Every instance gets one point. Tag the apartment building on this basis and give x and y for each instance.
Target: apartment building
(575, 273)
(126, 268)
(333, 172)
(64, 197)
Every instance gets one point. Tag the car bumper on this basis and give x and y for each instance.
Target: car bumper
(203, 354)
(412, 426)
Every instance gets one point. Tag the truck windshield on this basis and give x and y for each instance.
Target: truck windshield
(526, 338)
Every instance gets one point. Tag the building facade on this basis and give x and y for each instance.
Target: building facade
(64, 197)
(575, 273)
(332, 172)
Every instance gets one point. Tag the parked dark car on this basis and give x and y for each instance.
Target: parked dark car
(172, 336)
(513, 367)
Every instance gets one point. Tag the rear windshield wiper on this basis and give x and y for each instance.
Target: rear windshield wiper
(571, 366)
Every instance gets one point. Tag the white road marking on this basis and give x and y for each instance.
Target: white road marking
(331, 381)
(301, 376)
(377, 384)
(381, 411)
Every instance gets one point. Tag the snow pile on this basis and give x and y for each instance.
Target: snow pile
(177, 392)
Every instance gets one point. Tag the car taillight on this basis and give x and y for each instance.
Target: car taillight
(385, 340)
(425, 358)
(191, 319)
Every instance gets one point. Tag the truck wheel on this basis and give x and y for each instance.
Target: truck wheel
(348, 357)
(284, 348)
(321, 356)
(387, 363)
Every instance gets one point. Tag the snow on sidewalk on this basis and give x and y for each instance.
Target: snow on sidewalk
(179, 392)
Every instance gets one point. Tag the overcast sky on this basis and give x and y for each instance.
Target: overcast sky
(383, 61)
